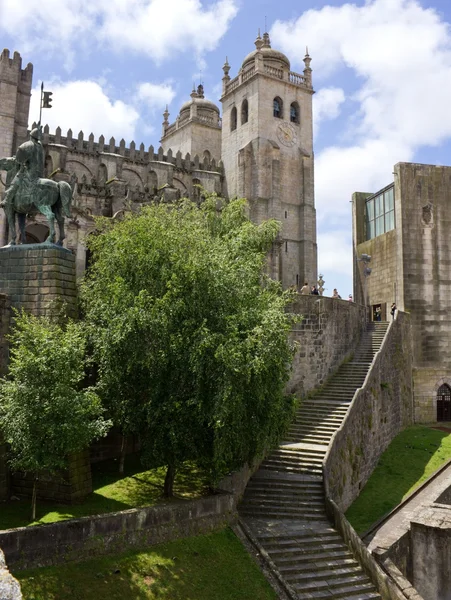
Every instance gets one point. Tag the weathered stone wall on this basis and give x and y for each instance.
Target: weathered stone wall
(35, 277)
(42, 545)
(379, 411)
(328, 333)
(431, 553)
(70, 486)
(9, 587)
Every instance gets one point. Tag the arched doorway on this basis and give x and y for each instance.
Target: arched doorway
(444, 403)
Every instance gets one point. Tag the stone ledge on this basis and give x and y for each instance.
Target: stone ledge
(43, 545)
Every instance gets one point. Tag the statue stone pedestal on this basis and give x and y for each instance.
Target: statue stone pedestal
(36, 276)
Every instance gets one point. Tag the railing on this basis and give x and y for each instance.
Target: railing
(233, 84)
(278, 73)
(247, 74)
(296, 78)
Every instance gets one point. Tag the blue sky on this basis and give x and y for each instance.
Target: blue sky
(381, 71)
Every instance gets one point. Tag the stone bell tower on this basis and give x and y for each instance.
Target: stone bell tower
(15, 93)
(267, 151)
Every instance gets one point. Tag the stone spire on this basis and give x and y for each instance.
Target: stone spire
(258, 42)
(266, 40)
(166, 121)
(226, 78)
(307, 70)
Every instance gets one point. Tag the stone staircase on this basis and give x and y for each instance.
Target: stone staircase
(283, 505)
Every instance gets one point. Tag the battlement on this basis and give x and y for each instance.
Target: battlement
(11, 68)
(80, 145)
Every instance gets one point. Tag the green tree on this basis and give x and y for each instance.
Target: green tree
(190, 336)
(44, 412)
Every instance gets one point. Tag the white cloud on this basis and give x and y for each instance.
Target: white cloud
(156, 28)
(396, 55)
(156, 96)
(326, 105)
(84, 105)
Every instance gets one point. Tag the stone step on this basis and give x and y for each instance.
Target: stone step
(300, 468)
(303, 554)
(334, 589)
(288, 515)
(318, 584)
(294, 453)
(361, 592)
(251, 501)
(306, 568)
(318, 557)
(277, 543)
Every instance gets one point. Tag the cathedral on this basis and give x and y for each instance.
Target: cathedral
(259, 145)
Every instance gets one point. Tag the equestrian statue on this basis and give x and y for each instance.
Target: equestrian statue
(26, 187)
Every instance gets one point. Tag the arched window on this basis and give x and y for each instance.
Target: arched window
(444, 403)
(294, 112)
(244, 112)
(207, 155)
(233, 119)
(278, 108)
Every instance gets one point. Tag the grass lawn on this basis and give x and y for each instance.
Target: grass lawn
(411, 458)
(205, 567)
(111, 493)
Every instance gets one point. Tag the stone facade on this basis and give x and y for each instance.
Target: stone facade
(269, 160)
(328, 333)
(411, 265)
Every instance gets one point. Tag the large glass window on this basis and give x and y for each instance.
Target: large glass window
(380, 213)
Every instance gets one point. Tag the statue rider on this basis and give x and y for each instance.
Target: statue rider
(30, 163)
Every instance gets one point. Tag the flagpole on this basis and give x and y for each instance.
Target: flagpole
(40, 104)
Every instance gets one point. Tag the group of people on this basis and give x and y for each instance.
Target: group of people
(306, 290)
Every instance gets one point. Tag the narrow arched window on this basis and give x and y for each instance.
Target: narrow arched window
(444, 403)
(278, 108)
(244, 112)
(233, 119)
(207, 155)
(294, 112)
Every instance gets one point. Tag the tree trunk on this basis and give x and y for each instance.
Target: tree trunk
(169, 482)
(122, 455)
(33, 499)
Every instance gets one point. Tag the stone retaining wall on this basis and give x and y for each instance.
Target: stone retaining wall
(327, 335)
(379, 411)
(42, 545)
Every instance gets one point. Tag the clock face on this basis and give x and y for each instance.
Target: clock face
(286, 134)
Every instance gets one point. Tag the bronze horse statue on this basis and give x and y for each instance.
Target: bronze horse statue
(27, 189)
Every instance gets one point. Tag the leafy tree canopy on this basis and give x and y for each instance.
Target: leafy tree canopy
(190, 336)
(44, 413)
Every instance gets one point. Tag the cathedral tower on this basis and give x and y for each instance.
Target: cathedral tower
(196, 130)
(15, 93)
(267, 151)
